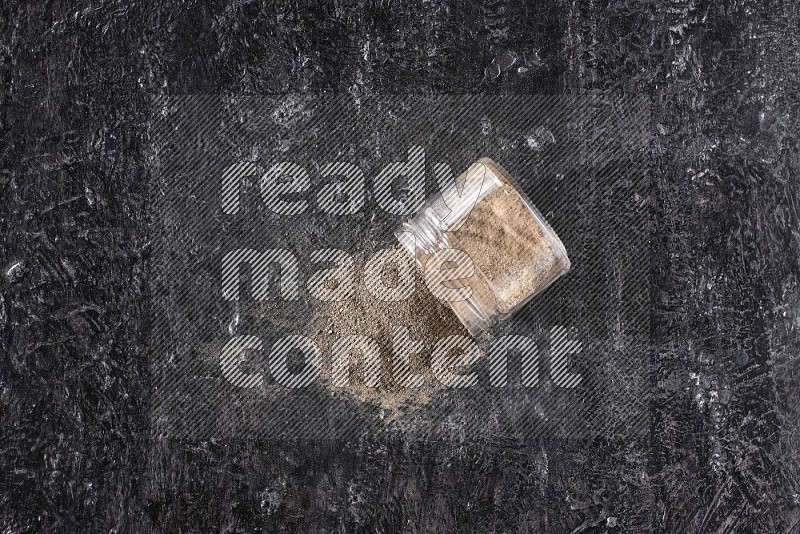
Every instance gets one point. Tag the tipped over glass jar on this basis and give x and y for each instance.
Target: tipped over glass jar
(483, 247)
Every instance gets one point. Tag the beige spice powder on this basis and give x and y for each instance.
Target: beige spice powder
(426, 319)
(508, 245)
(515, 255)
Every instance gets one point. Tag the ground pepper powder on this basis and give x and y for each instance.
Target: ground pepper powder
(514, 252)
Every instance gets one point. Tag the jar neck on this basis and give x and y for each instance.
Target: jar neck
(423, 234)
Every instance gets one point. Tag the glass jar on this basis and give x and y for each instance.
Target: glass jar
(483, 247)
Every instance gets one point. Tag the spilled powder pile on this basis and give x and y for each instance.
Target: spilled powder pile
(427, 321)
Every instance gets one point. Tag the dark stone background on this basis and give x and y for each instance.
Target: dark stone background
(722, 453)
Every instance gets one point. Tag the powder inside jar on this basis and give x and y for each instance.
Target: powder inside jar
(509, 246)
(514, 252)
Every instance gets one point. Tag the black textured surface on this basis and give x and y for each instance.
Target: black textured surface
(722, 453)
